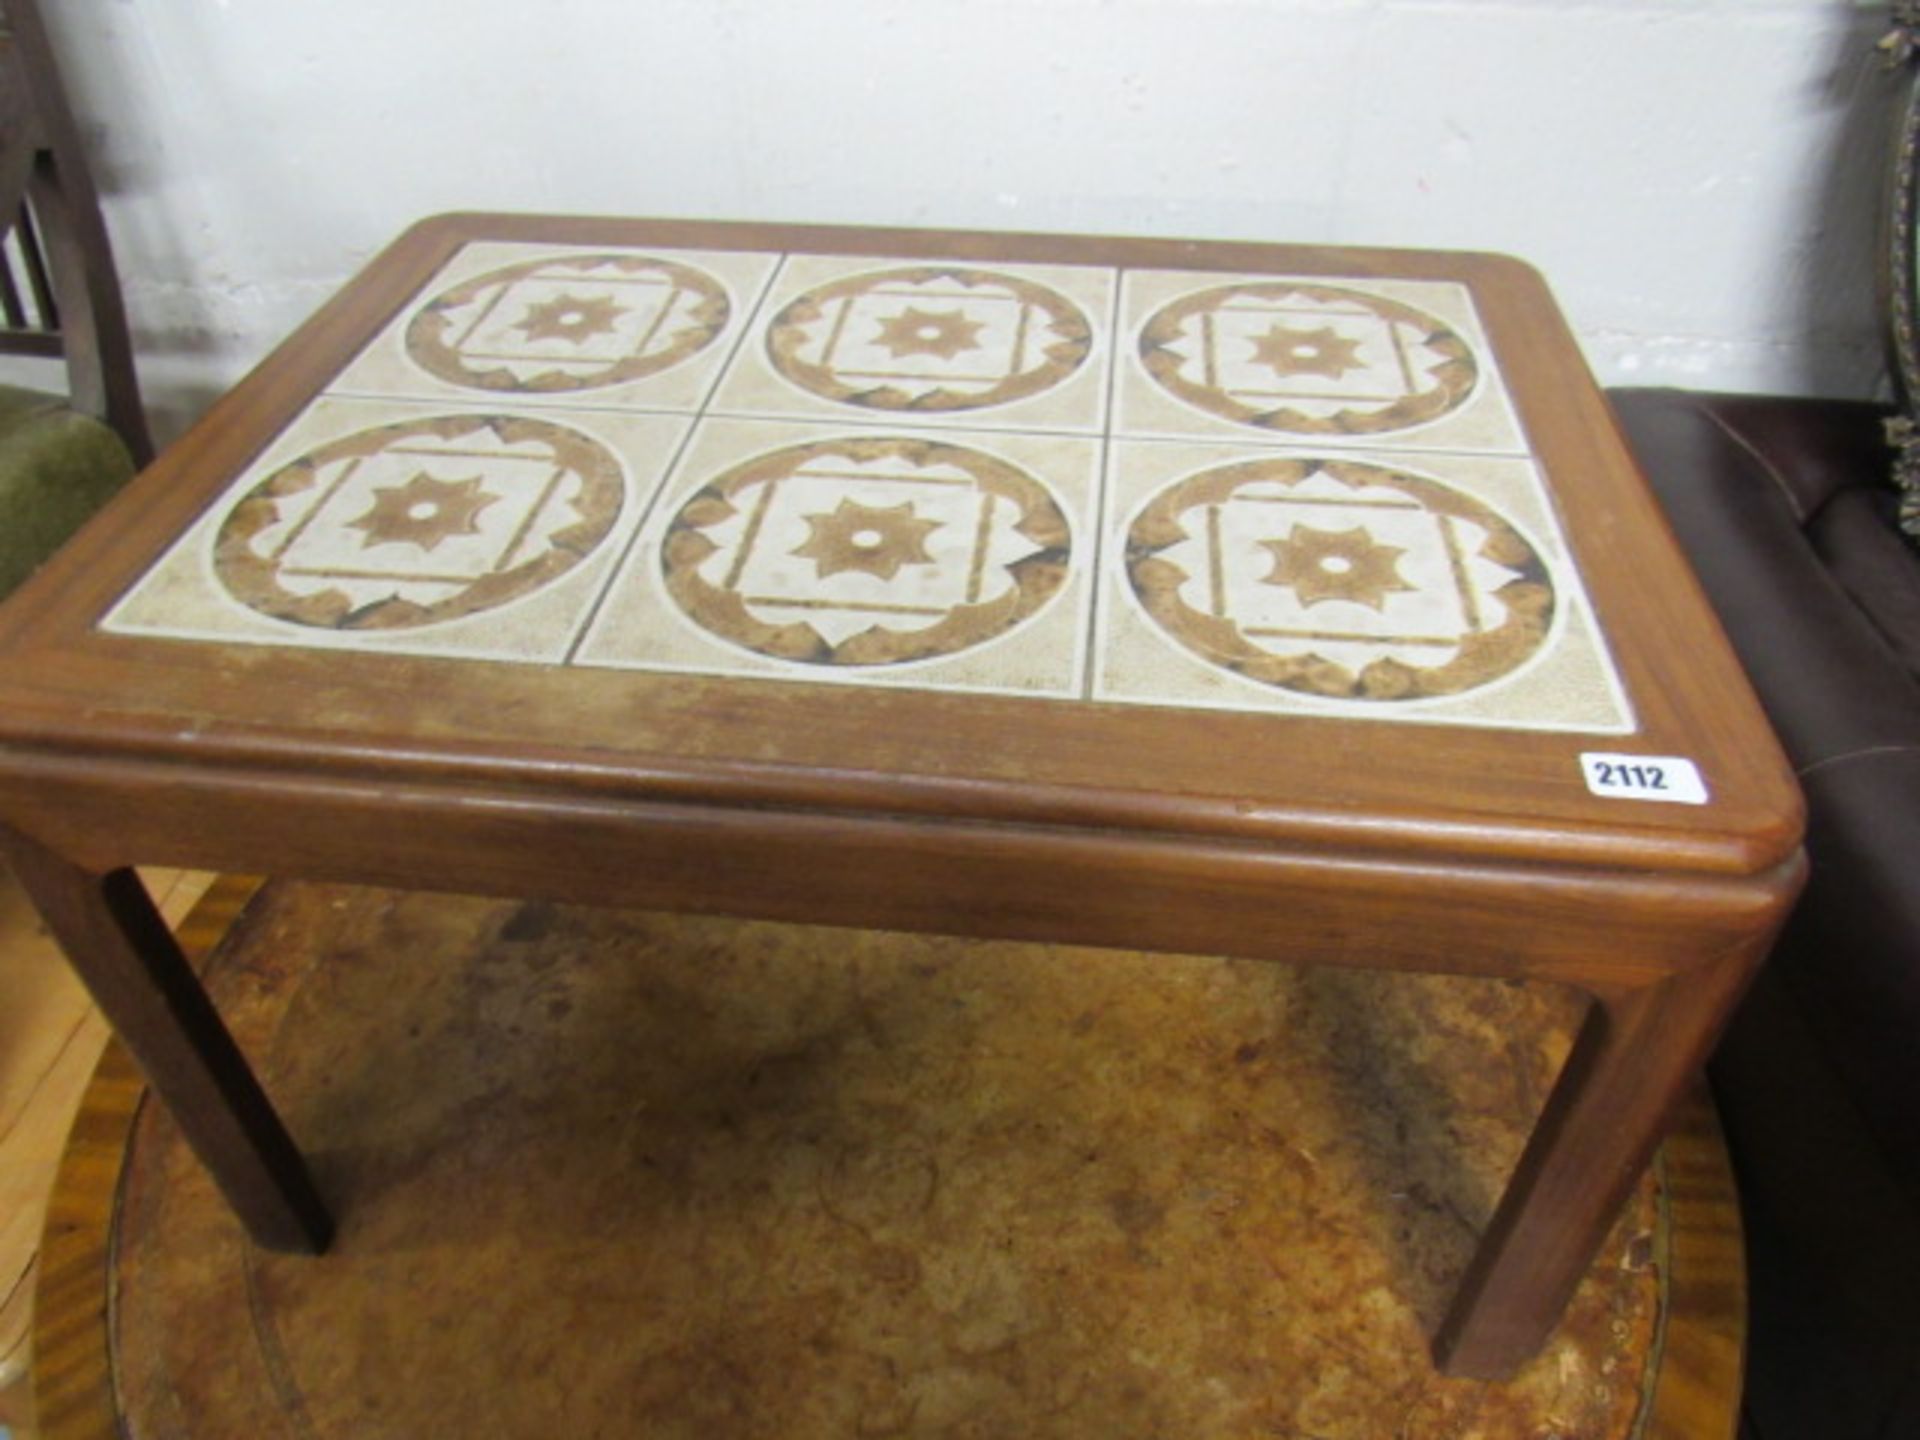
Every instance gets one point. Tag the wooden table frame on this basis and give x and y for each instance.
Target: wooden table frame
(1473, 851)
(1697, 1357)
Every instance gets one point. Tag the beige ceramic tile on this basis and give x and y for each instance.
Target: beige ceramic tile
(814, 553)
(378, 526)
(860, 341)
(1374, 363)
(1432, 587)
(595, 328)
(899, 476)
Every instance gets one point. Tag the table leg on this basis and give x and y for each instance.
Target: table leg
(1630, 1065)
(129, 961)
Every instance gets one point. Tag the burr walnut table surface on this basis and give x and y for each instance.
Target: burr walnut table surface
(1254, 600)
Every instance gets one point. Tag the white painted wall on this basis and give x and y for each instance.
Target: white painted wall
(1697, 177)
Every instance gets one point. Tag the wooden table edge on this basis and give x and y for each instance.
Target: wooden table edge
(448, 229)
(941, 876)
(27, 749)
(1766, 834)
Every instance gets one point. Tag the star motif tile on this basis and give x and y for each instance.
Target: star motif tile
(913, 342)
(1432, 588)
(1278, 494)
(385, 526)
(943, 334)
(874, 540)
(574, 318)
(906, 559)
(1289, 351)
(576, 328)
(1348, 565)
(424, 511)
(1380, 363)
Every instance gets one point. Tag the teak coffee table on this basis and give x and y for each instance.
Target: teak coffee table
(1222, 598)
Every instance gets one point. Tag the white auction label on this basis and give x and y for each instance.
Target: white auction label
(1644, 777)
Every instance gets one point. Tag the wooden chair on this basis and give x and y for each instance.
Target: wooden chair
(59, 299)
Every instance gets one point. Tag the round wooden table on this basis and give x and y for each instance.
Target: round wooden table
(625, 1173)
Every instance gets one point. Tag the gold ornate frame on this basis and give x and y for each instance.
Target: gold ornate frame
(1900, 262)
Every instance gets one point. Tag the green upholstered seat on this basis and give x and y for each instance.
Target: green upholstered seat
(57, 467)
(60, 458)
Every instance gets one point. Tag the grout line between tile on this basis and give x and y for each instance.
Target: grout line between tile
(893, 424)
(749, 323)
(619, 565)
(821, 675)
(1103, 482)
(1116, 353)
(1354, 445)
(538, 405)
(1099, 616)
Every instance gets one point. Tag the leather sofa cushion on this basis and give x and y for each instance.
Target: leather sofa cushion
(1740, 477)
(1851, 951)
(1806, 450)
(1780, 506)
(1856, 534)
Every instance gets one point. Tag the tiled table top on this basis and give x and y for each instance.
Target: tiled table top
(1232, 491)
(1030, 587)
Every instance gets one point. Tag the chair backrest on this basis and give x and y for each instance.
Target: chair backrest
(59, 294)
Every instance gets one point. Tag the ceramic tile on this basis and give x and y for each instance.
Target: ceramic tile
(1383, 364)
(866, 340)
(1432, 587)
(380, 526)
(564, 328)
(925, 475)
(805, 552)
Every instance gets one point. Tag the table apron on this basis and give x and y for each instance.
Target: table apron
(1608, 932)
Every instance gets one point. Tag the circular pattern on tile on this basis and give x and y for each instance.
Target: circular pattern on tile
(569, 322)
(868, 551)
(929, 338)
(1307, 359)
(427, 520)
(1340, 579)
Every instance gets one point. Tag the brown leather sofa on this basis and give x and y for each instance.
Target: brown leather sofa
(1786, 510)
